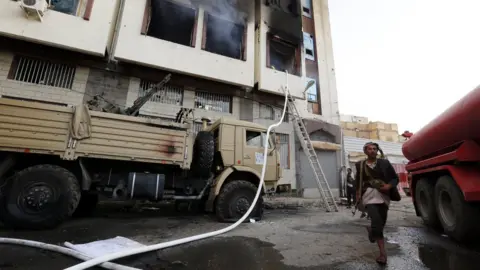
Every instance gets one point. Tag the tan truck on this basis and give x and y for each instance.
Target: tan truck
(55, 161)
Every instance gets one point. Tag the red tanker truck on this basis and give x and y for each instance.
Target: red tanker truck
(444, 164)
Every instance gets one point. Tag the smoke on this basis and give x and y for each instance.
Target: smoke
(226, 24)
(234, 10)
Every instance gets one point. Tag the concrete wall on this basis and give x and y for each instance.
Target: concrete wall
(59, 29)
(326, 66)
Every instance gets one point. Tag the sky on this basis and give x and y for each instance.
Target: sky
(404, 61)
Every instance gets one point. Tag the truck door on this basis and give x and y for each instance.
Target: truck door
(253, 153)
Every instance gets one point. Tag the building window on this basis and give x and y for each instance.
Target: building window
(266, 112)
(312, 91)
(168, 94)
(278, 114)
(224, 37)
(256, 139)
(170, 21)
(309, 46)
(307, 8)
(42, 72)
(213, 102)
(283, 55)
(283, 146)
(73, 7)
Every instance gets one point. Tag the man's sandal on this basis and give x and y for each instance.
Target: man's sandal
(382, 260)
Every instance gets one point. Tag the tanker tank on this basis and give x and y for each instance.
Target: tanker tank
(458, 123)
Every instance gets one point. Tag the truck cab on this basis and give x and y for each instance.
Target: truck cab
(238, 162)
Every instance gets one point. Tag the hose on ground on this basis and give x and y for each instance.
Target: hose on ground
(63, 250)
(125, 253)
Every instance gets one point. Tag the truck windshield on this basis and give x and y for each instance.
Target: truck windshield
(257, 139)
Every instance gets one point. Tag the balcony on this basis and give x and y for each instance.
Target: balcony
(280, 47)
(79, 25)
(196, 40)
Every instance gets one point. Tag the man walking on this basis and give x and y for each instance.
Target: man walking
(376, 183)
(350, 188)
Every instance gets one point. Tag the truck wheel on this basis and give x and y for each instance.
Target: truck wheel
(458, 218)
(424, 197)
(203, 153)
(234, 200)
(86, 206)
(39, 197)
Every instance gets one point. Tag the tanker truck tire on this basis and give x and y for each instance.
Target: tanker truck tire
(203, 154)
(459, 219)
(234, 200)
(424, 197)
(39, 197)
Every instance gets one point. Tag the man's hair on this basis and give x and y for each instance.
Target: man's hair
(349, 169)
(376, 145)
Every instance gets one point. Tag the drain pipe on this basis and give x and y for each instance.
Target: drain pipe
(118, 21)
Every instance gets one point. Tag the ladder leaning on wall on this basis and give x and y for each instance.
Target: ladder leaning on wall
(301, 131)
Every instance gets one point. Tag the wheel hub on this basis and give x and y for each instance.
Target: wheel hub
(242, 205)
(37, 197)
(446, 209)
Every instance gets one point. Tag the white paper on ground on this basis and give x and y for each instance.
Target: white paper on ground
(104, 247)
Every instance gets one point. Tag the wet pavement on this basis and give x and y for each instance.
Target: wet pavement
(284, 240)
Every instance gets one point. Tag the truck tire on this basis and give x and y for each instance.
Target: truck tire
(86, 206)
(425, 200)
(234, 200)
(203, 153)
(459, 218)
(39, 197)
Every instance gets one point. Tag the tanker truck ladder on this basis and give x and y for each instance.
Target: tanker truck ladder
(301, 131)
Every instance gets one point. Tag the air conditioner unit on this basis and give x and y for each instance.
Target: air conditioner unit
(34, 7)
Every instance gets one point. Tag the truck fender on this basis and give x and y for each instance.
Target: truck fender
(466, 178)
(220, 180)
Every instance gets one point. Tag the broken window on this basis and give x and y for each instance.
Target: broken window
(213, 102)
(309, 46)
(312, 92)
(168, 94)
(283, 55)
(256, 139)
(307, 8)
(169, 21)
(43, 72)
(224, 37)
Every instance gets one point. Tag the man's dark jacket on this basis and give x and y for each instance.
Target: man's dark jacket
(383, 170)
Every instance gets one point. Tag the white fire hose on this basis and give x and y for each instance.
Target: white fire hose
(104, 260)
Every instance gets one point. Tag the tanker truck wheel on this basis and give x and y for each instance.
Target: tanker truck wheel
(39, 197)
(203, 154)
(234, 200)
(459, 218)
(424, 198)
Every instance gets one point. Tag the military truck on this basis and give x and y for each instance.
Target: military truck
(56, 161)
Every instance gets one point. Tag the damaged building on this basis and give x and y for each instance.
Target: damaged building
(227, 58)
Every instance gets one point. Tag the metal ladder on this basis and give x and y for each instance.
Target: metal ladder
(304, 138)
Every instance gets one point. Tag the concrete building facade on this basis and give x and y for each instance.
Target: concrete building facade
(225, 60)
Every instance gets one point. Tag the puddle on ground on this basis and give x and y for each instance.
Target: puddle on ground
(439, 258)
(233, 253)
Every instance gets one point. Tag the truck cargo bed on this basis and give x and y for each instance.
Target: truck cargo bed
(33, 127)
